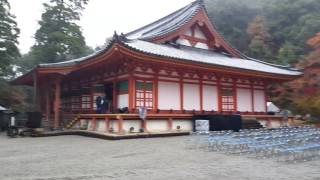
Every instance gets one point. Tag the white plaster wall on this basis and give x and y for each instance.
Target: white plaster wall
(275, 124)
(259, 101)
(185, 125)
(183, 42)
(157, 125)
(84, 124)
(114, 125)
(191, 97)
(264, 123)
(201, 45)
(188, 32)
(90, 125)
(244, 102)
(127, 124)
(272, 123)
(168, 96)
(123, 100)
(199, 34)
(210, 98)
(101, 125)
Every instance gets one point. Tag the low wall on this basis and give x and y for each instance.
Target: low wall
(151, 125)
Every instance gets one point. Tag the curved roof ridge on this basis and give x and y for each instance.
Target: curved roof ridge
(275, 65)
(201, 56)
(167, 19)
(177, 25)
(71, 62)
(165, 50)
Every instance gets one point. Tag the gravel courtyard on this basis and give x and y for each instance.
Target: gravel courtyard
(75, 157)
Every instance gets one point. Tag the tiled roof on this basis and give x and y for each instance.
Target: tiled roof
(139, 40)
(207, 57)
(185, 53)
(167, 24)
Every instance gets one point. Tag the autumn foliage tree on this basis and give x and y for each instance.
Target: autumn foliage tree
(303, 94)
(309, 102)
(260, 39)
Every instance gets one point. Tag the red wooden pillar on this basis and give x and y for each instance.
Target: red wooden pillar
(201, 95)
(57, 103)
(36, 92)
(265, 97)
(92, 100)
(155, 93)
(131, 92)
(120, 124)
(252, 96)
(219, 94)
(181, 94)
(170, 123)
(235, 97)
(114, 96)
(48, 110)
(94, 124)
(107, 124)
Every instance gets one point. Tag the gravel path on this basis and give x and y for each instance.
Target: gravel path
(80, 158)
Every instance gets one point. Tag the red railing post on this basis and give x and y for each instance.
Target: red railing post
(94, 124)
(107, 124)
(120, 124)
(170, 123)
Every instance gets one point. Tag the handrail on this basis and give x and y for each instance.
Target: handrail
(136, 116)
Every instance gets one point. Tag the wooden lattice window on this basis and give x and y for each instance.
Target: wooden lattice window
(75, 102)
(144, 94)
(227, 95)
(66, 103)
(86, 102)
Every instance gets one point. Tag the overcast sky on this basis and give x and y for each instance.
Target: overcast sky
(99, 19)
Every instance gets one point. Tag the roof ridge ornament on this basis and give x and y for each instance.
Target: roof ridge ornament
(200, 2)
(115, 36)
(122, 37)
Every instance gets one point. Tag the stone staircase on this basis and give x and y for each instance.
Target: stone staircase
(72, 122)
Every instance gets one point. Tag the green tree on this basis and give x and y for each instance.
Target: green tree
(231, 18)
(9, 33)
(287, 54)
(260, 39)
(59, 38)
(292, 23)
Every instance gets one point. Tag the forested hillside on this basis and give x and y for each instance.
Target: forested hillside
(281, 32)
(270, 30)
